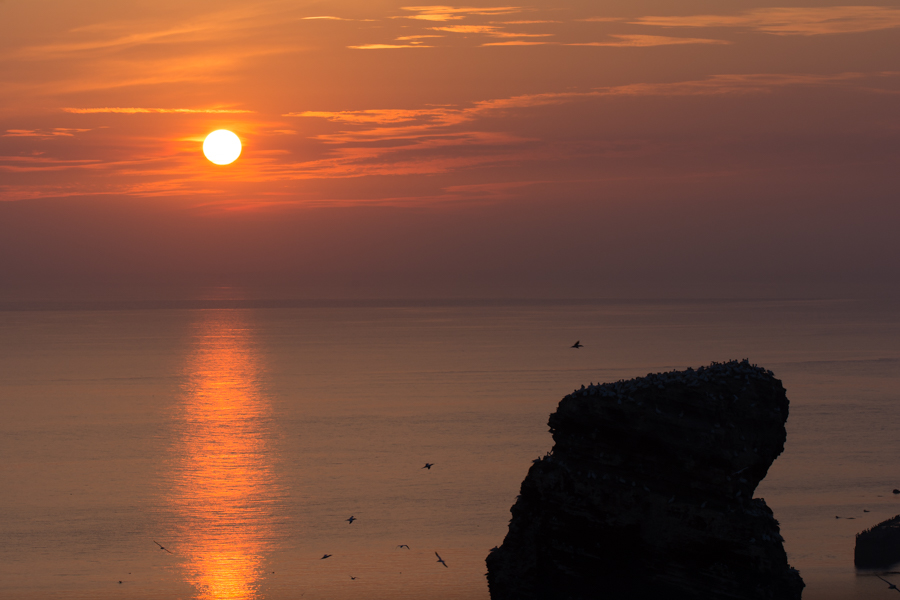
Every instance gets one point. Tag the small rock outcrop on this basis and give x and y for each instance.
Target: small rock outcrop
(878, 547)
(648, 493)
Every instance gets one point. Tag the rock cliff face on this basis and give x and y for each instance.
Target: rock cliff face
(648, 493)
(878, 547)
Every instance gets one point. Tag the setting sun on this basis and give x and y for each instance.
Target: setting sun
(222, 147)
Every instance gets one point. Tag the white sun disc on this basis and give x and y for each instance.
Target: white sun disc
(222, 147)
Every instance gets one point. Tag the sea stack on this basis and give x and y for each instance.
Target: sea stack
(648, 493)
(878, 547)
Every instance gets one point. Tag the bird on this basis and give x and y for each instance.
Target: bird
(161, 547)
(577, 345)
(352, 577)
(351, 519)
(428, 466)
(891, 586)
(324, 556)
(864, 510)
(403, 546)
(441, 560)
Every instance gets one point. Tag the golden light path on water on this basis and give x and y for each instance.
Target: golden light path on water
(224, 483)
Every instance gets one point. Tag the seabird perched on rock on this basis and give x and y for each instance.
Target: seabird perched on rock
(578, 345)
(441, 560)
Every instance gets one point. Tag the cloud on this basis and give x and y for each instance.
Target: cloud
(792, 21)
(110, 37)
(387, 46)
(113, 55)
(600, 19)
(523, 22)
(450, 13)
(645, 41)
(416, 37)
(44, 133)
(326, 18)
(516, 43)
(406, 123)
(468, 28)
(29, 164)
(491, 30)
(133, 110)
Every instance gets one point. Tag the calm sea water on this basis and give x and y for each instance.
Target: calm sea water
(242, 439)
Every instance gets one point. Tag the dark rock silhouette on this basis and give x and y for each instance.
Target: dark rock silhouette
(878, 547)
(647, 493)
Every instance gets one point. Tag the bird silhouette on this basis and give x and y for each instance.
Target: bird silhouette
(352, 577)
(428, 466)
(324, 556)
(578, 344)
(351, 519)
(161, 547)
(891, 586)
(403, 546)
(441, 560)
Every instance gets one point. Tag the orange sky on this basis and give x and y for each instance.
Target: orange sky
(547, 149)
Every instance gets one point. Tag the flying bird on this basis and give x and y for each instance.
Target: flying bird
(324, 556)
(352, 577)
(351, 519)
(403, 546)
(891, 586)
(441, 560)
(578, 344)
(161, 547)
(428, 466)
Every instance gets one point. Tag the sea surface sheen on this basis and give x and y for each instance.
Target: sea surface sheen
(218, 453)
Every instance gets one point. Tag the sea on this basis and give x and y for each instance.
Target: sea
(216, 450)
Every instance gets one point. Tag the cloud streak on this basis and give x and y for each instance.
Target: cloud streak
(792, 21)
(451, 13)
(647, 41)
(136, 110)
(44, 133)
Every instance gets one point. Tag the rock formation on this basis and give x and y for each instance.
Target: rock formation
(647, 493)
(878, 547)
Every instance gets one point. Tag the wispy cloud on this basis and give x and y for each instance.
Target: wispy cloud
(119, 36)
(491, 30)
(450, 13)
(792, 21)
(601, 19)
(645, 41)
(416, 37)
(387, 46)
(44, 133)
(516, 43)
(135, 110)
(439, 139)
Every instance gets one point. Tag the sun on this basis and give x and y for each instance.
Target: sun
(222, 147)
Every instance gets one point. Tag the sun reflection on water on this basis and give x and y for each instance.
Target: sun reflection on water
(225, 489)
